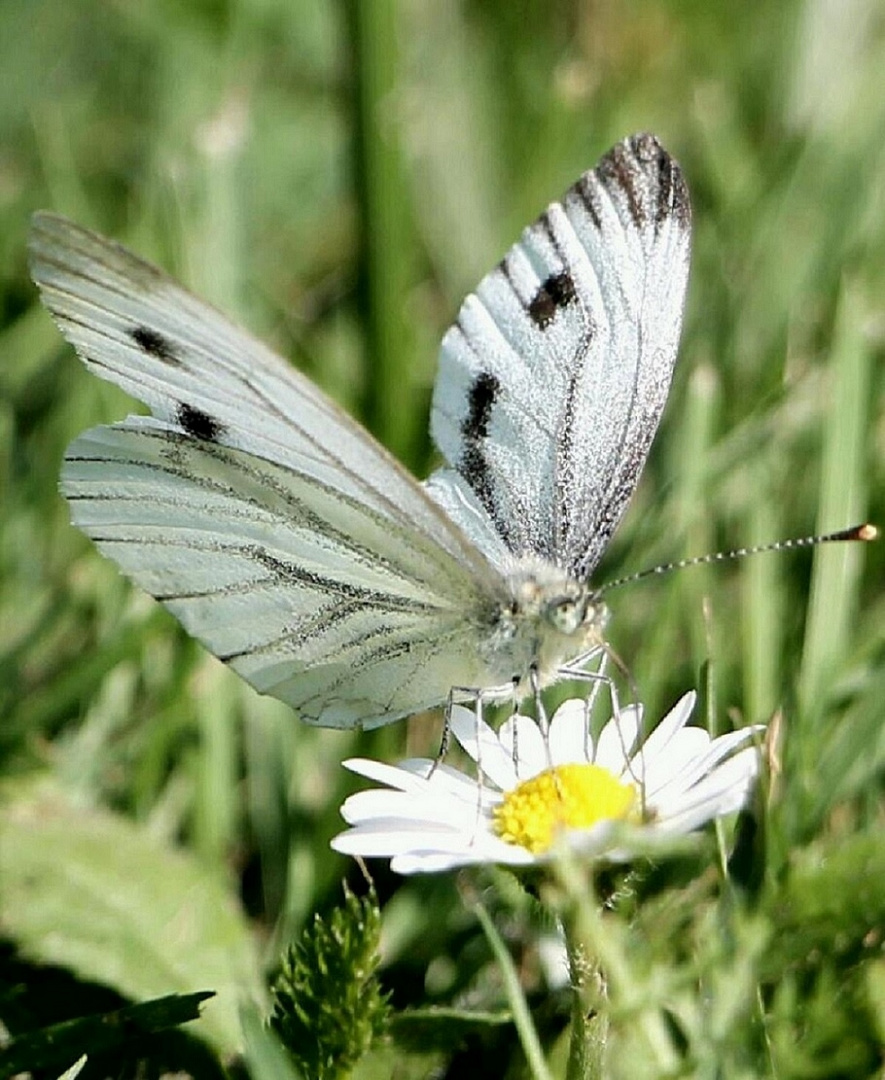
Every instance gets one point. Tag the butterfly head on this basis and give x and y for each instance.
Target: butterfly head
(578, 614)
(551, 618)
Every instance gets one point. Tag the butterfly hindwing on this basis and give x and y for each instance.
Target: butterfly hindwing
(554, 376)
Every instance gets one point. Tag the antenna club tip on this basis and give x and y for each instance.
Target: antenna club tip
(867, 532)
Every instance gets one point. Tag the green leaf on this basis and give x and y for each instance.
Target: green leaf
(437, 1028)
(53, 1046)
(89, 891)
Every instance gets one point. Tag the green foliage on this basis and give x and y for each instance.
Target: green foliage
(52, 1047)
(328, 1005)
(88, 891)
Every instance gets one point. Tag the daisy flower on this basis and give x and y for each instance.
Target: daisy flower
(614, 797)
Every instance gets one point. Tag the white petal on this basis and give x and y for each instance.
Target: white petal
(569, 738)
(617, 739)
(425, 863)
(693, 770)
(391, 775)
(384, 843)
(673, 761)
(483, 745)
(447, 780)
(690, 819)
(722, 792)
(491, 848)
(724, 745)
(521, 741)
(674, 721)
(593, 840)
(397, 808)
(434, 862)
(363, 806)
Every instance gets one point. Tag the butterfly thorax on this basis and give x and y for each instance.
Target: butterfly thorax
(550, 618)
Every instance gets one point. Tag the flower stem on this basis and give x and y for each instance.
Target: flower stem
(528, 1036)
(605, 976)
(589, 1025)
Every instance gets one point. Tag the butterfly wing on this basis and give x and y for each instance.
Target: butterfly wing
(552, 380)
(274, 527)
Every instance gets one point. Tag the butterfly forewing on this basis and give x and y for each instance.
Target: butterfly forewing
(277, 530)
(133, 325)
(553, 379)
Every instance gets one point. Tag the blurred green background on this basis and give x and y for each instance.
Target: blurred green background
(337, 176)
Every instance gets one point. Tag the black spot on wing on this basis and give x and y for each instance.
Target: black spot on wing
(197, 423)
(155, 344)
(480, 400)
(557, 291)
(473, 465)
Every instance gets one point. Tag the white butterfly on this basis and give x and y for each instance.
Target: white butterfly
(289, 542)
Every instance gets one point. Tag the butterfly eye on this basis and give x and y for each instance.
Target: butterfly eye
(567, 614)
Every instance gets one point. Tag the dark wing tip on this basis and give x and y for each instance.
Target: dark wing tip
(642, 175)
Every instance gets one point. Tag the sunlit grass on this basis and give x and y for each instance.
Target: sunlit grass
(338, 187)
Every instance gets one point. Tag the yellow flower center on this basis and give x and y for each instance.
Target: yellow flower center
(566, 797)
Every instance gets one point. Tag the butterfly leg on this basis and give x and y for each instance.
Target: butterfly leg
(540, 711)
(514, 727)
(491, 694)
(577, 669)
(446, 738)
(479, 697)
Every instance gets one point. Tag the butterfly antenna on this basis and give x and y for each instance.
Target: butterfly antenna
(865, 532)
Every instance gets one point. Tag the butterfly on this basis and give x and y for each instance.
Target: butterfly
(297, 549)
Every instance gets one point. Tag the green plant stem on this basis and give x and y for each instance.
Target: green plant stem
(842, 501)
(385, 229)
(589, 1026)
(587, 937)
(525, 1028)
